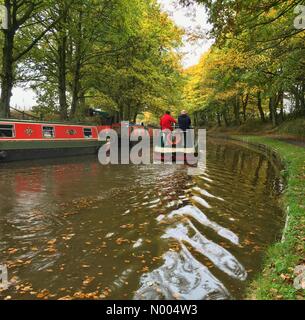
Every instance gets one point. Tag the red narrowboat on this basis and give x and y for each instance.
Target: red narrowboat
(25, 140)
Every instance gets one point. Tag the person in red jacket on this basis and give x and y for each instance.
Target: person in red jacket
(167, 122)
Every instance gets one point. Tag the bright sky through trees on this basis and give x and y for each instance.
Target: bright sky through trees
(194, 20)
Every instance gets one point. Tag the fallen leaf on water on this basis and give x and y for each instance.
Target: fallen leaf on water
(88, 280)
(127, 226)
(156, 258)
(144, 269)
(120, 241)
(50, 250)
(12, 250)
(43, 294)
(27, 289)
(176, 296)
(68, 236)
(66, 298)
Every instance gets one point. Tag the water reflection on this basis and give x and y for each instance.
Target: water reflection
(219, 256)
(74, 229)
(182, 278)
(195, 213)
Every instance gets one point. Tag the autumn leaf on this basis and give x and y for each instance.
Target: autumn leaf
(121, 241)
(176, 296)
(12, 250)
(144, 269)
(66, 298)
(88, 280)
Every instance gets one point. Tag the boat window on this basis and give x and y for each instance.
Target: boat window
(48, 132)
(6, 131)
(88, 133)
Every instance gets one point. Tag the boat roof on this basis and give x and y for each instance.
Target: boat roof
(50, 122)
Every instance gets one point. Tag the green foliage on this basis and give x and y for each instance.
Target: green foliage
(119, 55)
(257, 60)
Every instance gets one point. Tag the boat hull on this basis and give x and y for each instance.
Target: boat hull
(19, 151)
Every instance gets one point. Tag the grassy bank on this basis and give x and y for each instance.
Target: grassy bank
(293, 129)
(276, 280)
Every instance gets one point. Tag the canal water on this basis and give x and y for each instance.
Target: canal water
(73, 229)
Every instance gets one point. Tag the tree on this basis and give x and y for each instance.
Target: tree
(262, 56)
(22, 16)
(117, 55)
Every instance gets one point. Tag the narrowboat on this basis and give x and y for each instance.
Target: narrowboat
(26, 140)
(173, 147)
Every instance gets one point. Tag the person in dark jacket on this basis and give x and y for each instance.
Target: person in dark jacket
(185, 123)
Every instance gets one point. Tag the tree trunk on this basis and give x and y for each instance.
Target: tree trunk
(75, 91)
(225, 115)
(237, 110)
(281, 104)
(260, 106)
(121, 114)
(62, 83)
(128, 112)
(135, 117)
(219, 119)
(77, 69)
(195, 118)
(62, 66)
(7, 67)
(245, 104)
(272, 109)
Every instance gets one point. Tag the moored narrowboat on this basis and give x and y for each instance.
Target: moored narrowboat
(26, 140)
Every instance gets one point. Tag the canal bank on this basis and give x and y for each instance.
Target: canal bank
(285, 259)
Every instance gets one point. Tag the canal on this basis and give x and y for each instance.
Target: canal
(73, 229)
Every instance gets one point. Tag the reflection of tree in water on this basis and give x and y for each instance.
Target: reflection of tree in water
(259, 166)
(246, 163)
